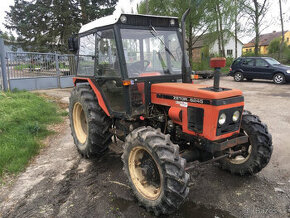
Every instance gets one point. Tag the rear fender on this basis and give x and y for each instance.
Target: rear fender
(96, 90)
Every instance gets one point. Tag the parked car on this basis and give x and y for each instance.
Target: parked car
(259, 68)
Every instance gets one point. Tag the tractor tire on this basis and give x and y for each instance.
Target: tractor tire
(257, 152)
(89, 123)
(155, 171)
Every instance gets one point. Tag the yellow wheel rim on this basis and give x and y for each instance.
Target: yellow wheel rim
(145, 173)
(80, 123)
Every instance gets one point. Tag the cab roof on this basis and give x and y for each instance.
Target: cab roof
(115, 18)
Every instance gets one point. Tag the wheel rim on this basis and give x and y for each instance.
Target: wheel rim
(145, 173)
(80, 123)
(239, 159)
(238, 76)
(278, 78)
(242, 158)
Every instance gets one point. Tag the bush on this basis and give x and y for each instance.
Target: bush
(274, 46)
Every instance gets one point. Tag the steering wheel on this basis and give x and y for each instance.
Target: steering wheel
(138, 67)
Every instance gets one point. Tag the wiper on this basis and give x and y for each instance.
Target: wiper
(155, 34)
(165, 70)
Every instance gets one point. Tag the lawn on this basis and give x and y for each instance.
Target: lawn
(24, 118)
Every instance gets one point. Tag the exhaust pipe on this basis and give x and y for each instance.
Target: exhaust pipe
(217, 64)
(186, 69)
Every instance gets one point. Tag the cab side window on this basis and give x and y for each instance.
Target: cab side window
(261, 63)
(107, 64)
(87, 55)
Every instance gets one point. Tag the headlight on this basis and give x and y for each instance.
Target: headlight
(288, 71)
(123, 19)
(222, 118)
(236, 116)
(172, 22)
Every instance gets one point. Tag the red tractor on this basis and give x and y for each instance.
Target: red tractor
(134, 83)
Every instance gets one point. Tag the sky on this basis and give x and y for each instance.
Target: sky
(271, 21)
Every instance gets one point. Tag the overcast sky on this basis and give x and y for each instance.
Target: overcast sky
(271, 20)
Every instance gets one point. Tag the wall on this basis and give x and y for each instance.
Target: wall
(263, 49)
(196, 54)
(230, 45)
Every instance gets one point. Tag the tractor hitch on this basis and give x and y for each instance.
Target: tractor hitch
(230, 154)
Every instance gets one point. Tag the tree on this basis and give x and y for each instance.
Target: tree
(196, 24)
(46, 25)
(238, 11)
(256, 12)
(275, 46)
(282, 27)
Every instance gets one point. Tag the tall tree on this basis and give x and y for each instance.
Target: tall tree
(282, 27)
(256, 11)
(222, 13)
(196, 24)
(46, 25)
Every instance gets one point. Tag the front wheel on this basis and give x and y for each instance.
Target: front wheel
(279, 78)
(155, 171)
(256, 153)
(238, 77)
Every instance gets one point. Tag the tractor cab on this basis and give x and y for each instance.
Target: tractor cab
(125, 54)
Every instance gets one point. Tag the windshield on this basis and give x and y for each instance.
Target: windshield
(272, 61)
(151, 52)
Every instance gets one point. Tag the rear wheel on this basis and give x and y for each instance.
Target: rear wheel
(279, 78)
(238, 77)
(155, 170)
(204, 76)
(89, 124)
(256, 153)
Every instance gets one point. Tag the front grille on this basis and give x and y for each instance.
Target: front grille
(195, 119)
(229, 125)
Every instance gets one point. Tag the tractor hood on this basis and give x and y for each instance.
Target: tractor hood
(192, 90)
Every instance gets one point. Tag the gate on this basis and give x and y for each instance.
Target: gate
(31, 70)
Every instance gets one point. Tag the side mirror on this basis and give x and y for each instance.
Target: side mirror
(73, 44)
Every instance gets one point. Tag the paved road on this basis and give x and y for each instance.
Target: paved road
(58, 183)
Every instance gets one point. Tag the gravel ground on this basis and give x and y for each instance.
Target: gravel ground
(59, 183)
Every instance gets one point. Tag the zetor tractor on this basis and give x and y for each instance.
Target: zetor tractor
(134, 84)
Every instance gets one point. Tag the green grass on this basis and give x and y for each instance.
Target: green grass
(24, 117)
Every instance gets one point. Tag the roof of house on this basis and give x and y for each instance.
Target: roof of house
(206, 39)
(265, 39)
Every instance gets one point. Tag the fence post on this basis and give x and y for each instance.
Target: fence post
(3, 65)
(57, 70)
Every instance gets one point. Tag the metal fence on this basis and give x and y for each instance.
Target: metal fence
(31, 64)
(32, 70)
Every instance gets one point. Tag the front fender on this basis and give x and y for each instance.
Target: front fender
(96, 91)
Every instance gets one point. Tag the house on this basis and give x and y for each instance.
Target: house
(265, 40)
(208, 43)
